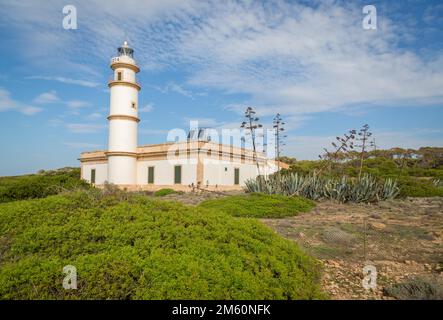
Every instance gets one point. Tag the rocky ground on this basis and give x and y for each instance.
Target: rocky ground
(402, 239)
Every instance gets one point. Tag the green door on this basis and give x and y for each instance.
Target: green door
(178, 174)
(150, 175)
(92, 175)
(236, 176)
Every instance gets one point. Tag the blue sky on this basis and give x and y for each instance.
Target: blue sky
(207, 60)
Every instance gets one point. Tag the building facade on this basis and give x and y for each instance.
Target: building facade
(178, 165)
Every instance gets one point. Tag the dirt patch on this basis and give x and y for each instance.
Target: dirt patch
(402, 239)
(194, 198)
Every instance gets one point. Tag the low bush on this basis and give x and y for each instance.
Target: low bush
(259, 205)
(142, 248)
(414, 187)
(164, 192)
(40, 185)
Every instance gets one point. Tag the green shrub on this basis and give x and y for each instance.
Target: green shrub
(259, 205)
(40, 185)
(414, 187)
(142, 248)
(164, 192)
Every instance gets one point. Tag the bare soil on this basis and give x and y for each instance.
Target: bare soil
(402, 239)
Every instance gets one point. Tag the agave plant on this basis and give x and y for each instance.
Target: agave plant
(366, 189)
(390, 189)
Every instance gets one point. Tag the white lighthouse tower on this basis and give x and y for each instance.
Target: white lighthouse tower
(123, 119)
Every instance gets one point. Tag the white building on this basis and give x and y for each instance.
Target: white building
(177, 165)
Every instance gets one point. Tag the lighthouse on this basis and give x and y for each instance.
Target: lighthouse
(123, 119)
(150, 167)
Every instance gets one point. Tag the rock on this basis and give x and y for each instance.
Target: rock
(377, 225)
(375, 216)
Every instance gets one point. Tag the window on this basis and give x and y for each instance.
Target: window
(150, 175)
(92, 175)
(236, 176)
(134, 106)
(119, 76)
(178, 174)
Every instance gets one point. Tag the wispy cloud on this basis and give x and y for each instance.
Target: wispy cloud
(147, 108)
(153, 131)
(74, 104)
(82, 145)
(9, 104)
(202, 122)
(52, 97)
(47, 97)
(284, 56)
(94, 116)
(178, 89)
(84, 83)
(85, 127)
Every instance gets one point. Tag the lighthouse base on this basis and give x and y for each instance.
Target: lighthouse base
(122, 170)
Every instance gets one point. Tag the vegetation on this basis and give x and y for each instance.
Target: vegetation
(251, 125)
(40, 185)
(259, 205)
(164, 192)
(365, 189)
(417, 172)
(129, 246)
(416, 289)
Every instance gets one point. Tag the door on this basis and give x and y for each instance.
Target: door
(150, 175)
(236, 176)
(178, 174)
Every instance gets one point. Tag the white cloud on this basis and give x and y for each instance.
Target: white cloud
(84, 127)
(179, 89)
(9, 104)
(147, 108)
(47, 97)
(203, 122)
(74, 104)
(94, 116)
(30, 110)
(52, 97)
(84, 83)
(153, 131)
(283, 56)
(82, 145)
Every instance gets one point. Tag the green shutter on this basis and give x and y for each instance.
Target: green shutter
(178, 174)
(92, 175)
(150, 175)
(236, 176)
